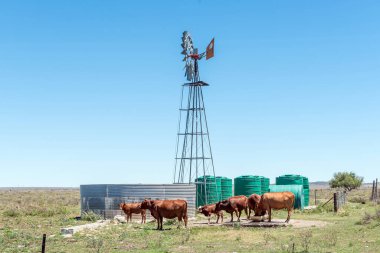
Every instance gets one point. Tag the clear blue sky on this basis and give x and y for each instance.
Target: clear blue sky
(89, 90)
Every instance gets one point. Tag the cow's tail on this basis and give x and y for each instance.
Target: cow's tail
(185, 214)
(293, 201)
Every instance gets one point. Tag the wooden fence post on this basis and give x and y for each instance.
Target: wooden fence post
(373, 191)
(43, 243)
(376, 190)
(315, 197)
(335, 202)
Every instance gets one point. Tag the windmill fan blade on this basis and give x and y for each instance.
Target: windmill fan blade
(185, 58)
(184, 52)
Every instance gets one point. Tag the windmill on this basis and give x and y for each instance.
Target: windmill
(191, 56)
(193, 158)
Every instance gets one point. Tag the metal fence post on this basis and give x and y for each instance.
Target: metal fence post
(335, 202)
(43, 243)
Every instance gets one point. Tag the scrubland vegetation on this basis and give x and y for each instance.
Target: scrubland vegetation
(26, 215)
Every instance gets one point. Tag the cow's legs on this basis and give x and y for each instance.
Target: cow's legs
(217, 218)
(161, 221)
(158, 223)
(270, 214)
(249, 213)
(246, 213)
(289, 212)
(232, 216)
(185, 220)
(239, 214)
(143, 217)
(221, 214)
(179, 221)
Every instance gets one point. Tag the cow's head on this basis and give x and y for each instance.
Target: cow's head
(221, 205)
(255, 200)
(147, 204)
(121, 205)
(200, 208)
(259, 210)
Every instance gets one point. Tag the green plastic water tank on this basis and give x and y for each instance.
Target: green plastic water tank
(208, 187)
(226, 187)
(247, 185)
(306, 190)
(264, 185)
(291, 179)
(219, 187)
(297, 190)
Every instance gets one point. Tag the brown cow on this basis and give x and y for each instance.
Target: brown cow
(130, 208)
(168, 209)
(149, 206)
(234, 204)
(253, 201)
(275, 200)
(207, 210)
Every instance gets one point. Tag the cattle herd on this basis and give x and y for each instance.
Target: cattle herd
(171, 209)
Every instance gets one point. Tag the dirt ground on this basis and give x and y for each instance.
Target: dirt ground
(274, 223)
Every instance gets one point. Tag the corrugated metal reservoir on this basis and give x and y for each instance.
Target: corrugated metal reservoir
(104, 199)
(212, 192)
(226, 187)
(297, 190)
(247, 185)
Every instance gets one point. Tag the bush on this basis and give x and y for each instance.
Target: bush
(90, 216)
(329, 207)
(95, 244)
(368, 218)
(306, 239)
(359, 200)
(343, 213)
(11, 213)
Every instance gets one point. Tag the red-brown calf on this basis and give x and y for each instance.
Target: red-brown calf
(233, 205)
(208, 210)
(130, 208)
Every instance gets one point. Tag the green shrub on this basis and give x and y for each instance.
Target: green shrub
(11, 213)
(90, 216)
(329, 207)
(369, 218)
(356, 199)
(95, 243)
(306, 239)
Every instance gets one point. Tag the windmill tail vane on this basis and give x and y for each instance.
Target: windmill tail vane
(192, 56)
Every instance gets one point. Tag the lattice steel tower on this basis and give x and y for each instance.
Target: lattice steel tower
(193, 150)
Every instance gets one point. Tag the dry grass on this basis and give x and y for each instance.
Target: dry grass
(26, 215)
